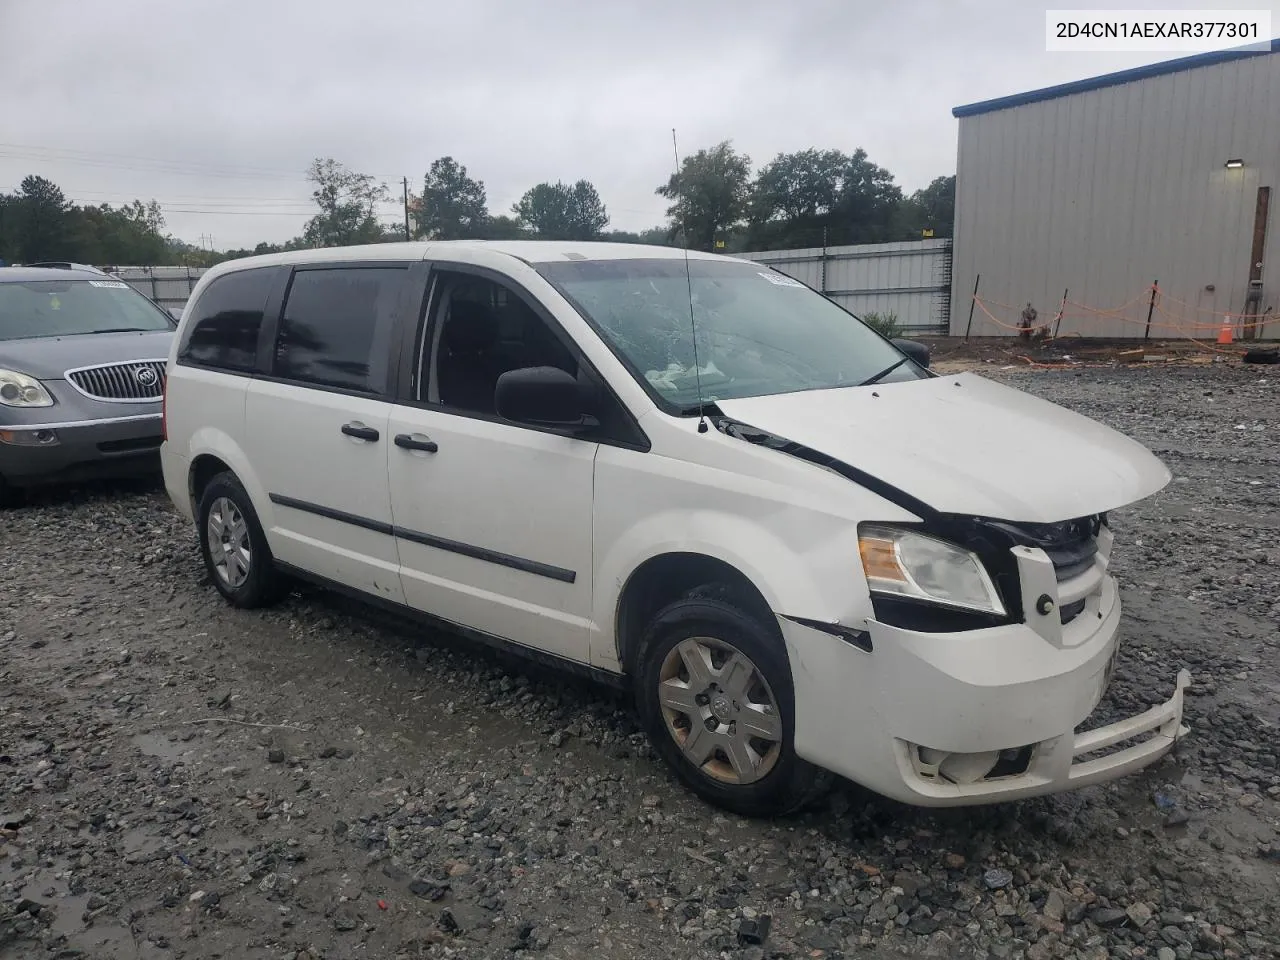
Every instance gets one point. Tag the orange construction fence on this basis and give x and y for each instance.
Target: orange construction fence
(1151, 304)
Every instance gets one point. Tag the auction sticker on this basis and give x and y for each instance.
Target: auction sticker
(781, 280)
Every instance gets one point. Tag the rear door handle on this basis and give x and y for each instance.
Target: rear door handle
(416, 441)
(359, 431)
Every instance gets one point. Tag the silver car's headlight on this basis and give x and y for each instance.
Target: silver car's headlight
(20, 390)
(906, 563)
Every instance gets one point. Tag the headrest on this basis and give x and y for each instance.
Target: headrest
(471, 327)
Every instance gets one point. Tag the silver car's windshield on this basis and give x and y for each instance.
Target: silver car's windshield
(62, 308)
(759, 332)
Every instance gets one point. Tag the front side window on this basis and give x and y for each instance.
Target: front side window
(226, 319)
(336, 325)
(69, 308)
(758, 332)
(483, 331)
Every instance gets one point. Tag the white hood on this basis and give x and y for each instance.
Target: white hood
(963, 444)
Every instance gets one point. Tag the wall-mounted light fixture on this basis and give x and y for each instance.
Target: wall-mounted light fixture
(1234, 164)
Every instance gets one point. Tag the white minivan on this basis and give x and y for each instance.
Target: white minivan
(803, 551)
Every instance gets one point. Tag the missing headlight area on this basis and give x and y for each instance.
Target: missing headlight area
(965, 768)
(1071, 545)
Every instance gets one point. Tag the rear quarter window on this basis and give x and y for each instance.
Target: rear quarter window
(226, 320)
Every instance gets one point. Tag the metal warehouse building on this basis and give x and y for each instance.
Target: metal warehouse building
(1147, 193)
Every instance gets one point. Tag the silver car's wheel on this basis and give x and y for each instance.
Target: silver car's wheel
(720, 710)
(229, 545)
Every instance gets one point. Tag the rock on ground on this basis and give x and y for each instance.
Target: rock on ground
(179, 779)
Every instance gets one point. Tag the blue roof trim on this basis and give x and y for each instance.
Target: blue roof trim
(1111, 79)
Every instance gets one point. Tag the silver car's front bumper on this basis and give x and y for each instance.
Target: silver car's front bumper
(67, 450)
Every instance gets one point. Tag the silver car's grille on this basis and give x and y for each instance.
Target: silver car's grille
(133, 381)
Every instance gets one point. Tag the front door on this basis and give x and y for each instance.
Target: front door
(492, 519)
(317, 427)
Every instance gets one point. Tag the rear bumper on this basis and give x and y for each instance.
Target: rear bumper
(38, 453)
(177, 479)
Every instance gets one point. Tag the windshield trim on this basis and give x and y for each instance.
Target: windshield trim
(171, 323)
(690, 411)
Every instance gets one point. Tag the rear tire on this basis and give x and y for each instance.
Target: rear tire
(233, 545)
(713, 690)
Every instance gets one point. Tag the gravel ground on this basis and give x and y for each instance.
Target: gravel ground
(183, 780)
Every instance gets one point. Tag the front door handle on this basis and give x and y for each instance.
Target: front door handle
(416, 441)
(359, 431)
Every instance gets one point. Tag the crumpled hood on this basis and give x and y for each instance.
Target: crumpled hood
(48, 358)
(963, 444)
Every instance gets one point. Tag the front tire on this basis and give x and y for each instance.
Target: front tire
(713, 690)
(233, 545)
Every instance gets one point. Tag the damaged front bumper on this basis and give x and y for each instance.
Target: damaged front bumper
(979, 716)
(1065, 762)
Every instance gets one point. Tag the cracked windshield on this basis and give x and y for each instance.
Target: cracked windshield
(759, 332)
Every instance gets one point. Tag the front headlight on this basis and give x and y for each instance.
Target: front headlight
(905, 563)
(19, 390)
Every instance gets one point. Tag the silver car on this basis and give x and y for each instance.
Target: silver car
(82, 368)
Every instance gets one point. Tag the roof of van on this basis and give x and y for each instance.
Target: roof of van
(530, 251)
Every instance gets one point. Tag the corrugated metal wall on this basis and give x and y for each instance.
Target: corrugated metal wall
(1105, 191)
(168, 286)
(910, 279)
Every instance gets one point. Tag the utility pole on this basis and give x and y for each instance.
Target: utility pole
(406, 208)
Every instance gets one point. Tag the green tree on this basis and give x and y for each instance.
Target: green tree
(709, 193)
(42, 222)
(348, 206)
(452, 205)
(814, 196)
(502, 227)
(659, 236)
(932, 208)
(8, 227)
(792, 199)
(868, 202)
(557, 211)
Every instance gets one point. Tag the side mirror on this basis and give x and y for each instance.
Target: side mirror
(917, 351)
(543, 397)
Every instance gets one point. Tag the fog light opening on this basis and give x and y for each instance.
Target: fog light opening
(29, 438)
(966, 768)
(962, 768)
(1013, 762)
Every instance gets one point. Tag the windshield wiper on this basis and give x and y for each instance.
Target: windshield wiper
(120, 330)
(885, 372)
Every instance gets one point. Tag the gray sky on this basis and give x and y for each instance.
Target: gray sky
(216, 108)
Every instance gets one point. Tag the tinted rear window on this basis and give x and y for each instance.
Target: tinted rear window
(226, 321)
(72, 307)
(335, 325)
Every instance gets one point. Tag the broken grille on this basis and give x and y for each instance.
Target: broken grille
(132, 381)
(1072, 545)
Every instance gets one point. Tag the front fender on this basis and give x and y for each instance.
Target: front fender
(797, 546)
(754, 550)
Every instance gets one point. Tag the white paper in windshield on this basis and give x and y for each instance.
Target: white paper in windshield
(113, 284)
(781, 280)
